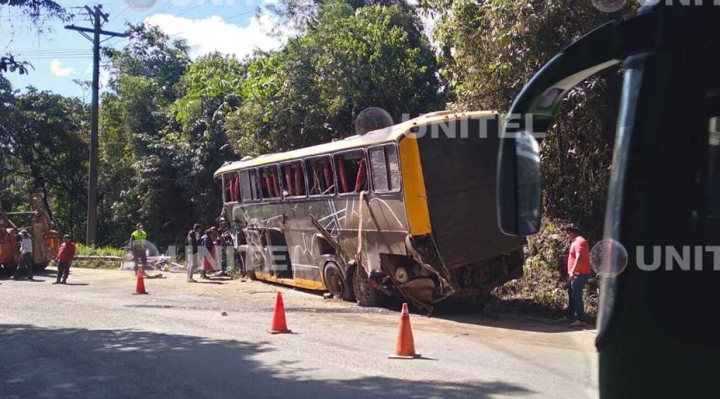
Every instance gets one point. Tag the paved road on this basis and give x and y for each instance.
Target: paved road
(93, 339)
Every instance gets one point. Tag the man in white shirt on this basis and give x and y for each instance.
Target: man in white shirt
(26, 257)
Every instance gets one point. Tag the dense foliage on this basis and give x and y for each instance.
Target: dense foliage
(169, 122)
(491, 48)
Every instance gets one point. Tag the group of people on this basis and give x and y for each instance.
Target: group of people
(64, 257)
(209, 246)
(204, 249)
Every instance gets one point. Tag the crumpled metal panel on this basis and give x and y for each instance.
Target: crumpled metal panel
(459, 161)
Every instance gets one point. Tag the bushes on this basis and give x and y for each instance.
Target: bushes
(543, 287)
(83, 250)
(101, 251)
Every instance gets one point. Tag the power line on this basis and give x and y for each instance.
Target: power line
(69, 50)
(188, 10)
(124, 10)
(62, 57)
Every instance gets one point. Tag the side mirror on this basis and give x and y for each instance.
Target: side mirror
(519, 199)
(519, 185)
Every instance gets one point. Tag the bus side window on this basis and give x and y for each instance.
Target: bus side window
(352, 171)
(293, 179)
(231, 187)
(249, 188)
(226, 188)
(320, 179)
(385, 169)
(270, 182)
(234, 187)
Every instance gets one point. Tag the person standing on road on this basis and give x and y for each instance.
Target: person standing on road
(65, 255)
(191, 251)
(138, 245)
(207, 241)
(227, 246)
(578, 267)
(26, 257)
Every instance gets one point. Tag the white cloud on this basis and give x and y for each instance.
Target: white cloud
(58, 70)
(212, 34)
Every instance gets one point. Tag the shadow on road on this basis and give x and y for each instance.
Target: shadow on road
(542, 319)
(72, 363)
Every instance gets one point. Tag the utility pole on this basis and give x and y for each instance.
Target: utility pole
(97, 16)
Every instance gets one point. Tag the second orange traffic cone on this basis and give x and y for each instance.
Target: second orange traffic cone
(405, 346)
(279, 326)
(140, 284)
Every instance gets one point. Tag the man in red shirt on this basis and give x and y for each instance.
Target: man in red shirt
(65, 255)
(578, 267)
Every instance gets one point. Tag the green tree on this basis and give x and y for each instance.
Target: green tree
(44, 151)
(351, 57)
(491, 48)
(138, 173)
(211, 89)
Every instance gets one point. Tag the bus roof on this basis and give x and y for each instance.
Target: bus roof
(387, 135)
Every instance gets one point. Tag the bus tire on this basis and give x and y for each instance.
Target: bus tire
(366, 294)
(338, 286)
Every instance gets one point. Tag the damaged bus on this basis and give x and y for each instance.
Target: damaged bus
(405, 210)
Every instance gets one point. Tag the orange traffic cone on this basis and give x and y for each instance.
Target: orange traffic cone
(405, 346)
(279, 326)
(140, 285)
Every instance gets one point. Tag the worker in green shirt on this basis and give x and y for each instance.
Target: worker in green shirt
(138, 245)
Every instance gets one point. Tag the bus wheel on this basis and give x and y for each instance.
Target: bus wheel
(365, 293)
(336, 284)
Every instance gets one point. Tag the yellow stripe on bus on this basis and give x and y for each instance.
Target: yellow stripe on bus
(296, 282)
(414, 187)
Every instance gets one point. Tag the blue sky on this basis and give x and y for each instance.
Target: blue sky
(61, 55)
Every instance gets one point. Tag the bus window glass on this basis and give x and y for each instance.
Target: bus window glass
(270, 182)
(385, 169)
(379, 169)
(293, 178)
(249, 190)
(231, 187)
(226, 188)
(351, 171)
(320, 176)
(393, 167)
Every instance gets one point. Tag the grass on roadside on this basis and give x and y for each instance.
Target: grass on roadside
(84, 250)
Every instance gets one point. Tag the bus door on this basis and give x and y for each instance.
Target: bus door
(277, 255)
(254, 247)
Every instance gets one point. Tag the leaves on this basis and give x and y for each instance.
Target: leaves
(354, 56)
